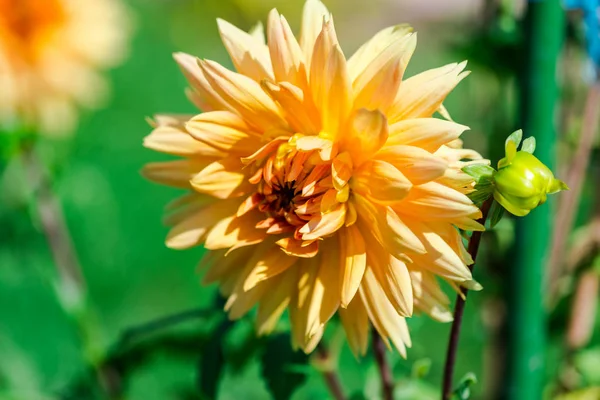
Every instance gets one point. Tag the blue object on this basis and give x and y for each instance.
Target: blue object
(591, 16)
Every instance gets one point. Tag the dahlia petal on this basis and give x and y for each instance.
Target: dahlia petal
(298, 108)
(421, 95)
(327, 148)
(387, 227)
(377, 85)
(382, 314)
(434, 201)
(368, 133)
(397, 286)
(286, 55)
(356, 324)
(205, 94)
(454, 239)
(191, 231)
(174, 173)
(264, 151)
(235, 231)
(329, 81)
(468, 224)
(295, 248)
(381, 182)
(351, 215)
(312, 342)
(219, 265)
(326, 40)
(241, 301)
(198, 101)
(353, 262)
(171, 137)
(371, 49)
(341, 170)
(313, 16)
(250, 56)
(417, 165)
(249, 204)
(266, 265)
(427, 133)
(429, 296)
(441, 258)
(258, 32)
(337, 103)
(324, 298)
(271, 307)
(313, 178)
(325, 224)
(245, 96)
(184, 206)
(222, 179)
(392, 275)
(225, 131)
(307, 272)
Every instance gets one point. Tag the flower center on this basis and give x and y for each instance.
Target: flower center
(27, 25)
(290, 186)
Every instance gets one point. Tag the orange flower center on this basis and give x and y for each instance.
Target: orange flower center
(290, 186)
(27, 25)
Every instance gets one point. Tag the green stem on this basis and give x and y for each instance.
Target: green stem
(544, 31)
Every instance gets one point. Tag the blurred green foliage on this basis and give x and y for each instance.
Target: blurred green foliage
(114, 218)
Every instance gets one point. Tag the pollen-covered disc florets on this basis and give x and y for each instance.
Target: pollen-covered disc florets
(321, 184)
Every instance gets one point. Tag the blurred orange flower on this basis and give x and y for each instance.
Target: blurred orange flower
(321, 184)
(50, 51)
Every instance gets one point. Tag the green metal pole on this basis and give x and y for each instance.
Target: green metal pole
(544, 30)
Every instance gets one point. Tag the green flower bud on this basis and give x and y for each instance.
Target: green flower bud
(523, 182)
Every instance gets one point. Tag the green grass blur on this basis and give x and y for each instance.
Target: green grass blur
(114, 216)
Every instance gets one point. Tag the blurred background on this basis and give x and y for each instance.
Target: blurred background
(109, 344)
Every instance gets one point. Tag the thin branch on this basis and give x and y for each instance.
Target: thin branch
(71, 288)
(387, 380)
(575, 179)
(332, 380)
(459, 309)
(72, 285)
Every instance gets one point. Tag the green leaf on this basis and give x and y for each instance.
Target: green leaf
(280, 367)
(463, 389)
(212, 362)
(480, 172)
(481, 193)
(496, 213)
(420, 368)
(515, 137)
(587, 365)
(357, 396)
(484, 181)
(528, 145)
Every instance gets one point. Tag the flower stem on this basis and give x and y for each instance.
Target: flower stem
(329, 374)
(70, 286)
(387, 380)
(459, 308)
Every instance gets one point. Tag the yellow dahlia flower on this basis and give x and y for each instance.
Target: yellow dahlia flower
(49, 53)
(321, 184)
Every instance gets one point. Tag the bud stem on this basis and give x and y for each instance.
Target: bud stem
(460, 307)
